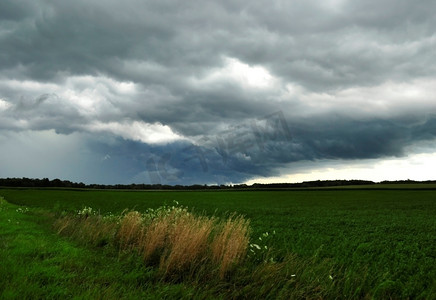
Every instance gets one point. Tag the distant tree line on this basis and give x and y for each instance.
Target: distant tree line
(36, 182)
(57, 183)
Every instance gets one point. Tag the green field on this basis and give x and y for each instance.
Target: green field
(375, 243)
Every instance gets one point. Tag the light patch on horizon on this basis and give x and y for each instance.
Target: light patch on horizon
(418, 167)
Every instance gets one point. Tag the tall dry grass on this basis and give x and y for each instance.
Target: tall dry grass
(187, 243)
(130, 231)
(230, 243)
(172, 238)
(154, 239)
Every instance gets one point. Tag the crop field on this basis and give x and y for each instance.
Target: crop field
(342, 243)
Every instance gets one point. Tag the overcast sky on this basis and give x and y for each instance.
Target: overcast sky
(184, 92)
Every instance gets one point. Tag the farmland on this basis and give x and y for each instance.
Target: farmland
(368, 243)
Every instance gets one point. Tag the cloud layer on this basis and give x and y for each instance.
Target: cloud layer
(214, 92)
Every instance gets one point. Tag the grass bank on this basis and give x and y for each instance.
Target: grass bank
(36, 263)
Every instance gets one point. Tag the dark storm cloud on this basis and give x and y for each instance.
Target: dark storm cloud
(248, 150)
(15, 10)
(94, 66)
(178, 163)
(358, 42)
(317, 45)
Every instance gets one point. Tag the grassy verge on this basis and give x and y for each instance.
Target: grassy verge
(38, 264)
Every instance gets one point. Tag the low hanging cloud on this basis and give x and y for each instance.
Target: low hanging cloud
(197, 92)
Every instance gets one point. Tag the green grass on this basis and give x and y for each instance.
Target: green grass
(377, 243)
(38, 264)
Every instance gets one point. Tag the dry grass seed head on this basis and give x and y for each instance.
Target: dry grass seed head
(155, 237)
(230, 244)
(188, 243)
(130, 230)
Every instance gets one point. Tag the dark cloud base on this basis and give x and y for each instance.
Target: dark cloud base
(236, 156)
